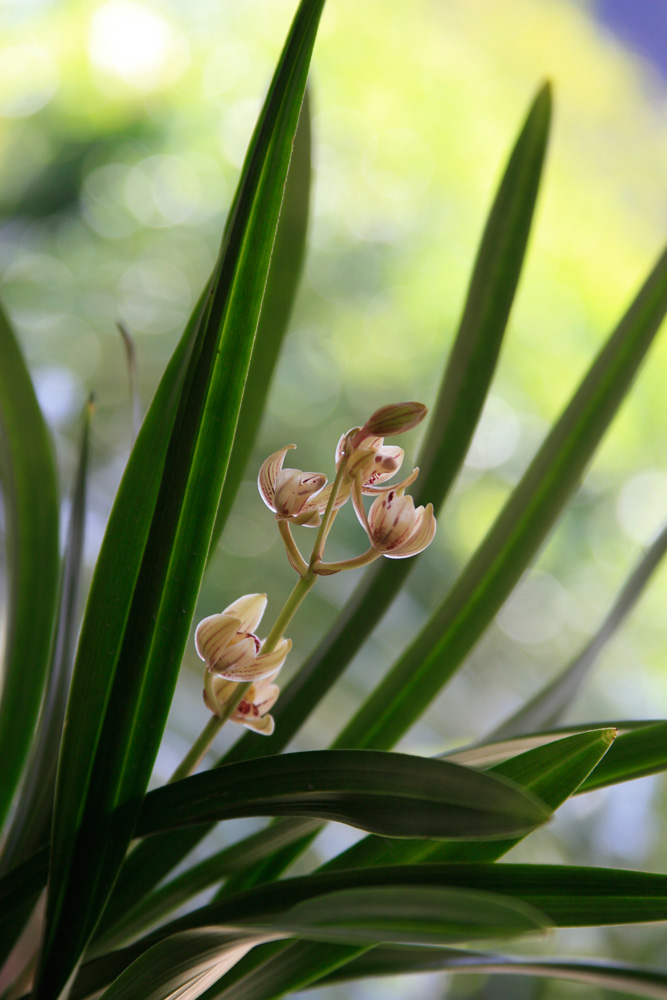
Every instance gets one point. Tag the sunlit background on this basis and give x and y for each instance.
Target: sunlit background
(124, 126)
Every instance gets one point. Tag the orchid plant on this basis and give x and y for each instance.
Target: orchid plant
(99, 891)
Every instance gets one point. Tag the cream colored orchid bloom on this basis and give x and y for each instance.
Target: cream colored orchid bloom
(291, 494)
(396, 529)
(370, 458)
(252, 711)
(227, 643)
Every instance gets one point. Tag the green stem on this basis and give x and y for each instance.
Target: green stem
(329, 513)
(198, 750)
(301, 588)
(358, 562)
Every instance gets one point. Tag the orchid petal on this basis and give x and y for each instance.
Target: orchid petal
(249, 610)
(293, 488)
(391, 521)
(268, 473)
(214, 633)
(421, 538)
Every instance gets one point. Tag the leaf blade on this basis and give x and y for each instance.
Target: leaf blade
(31, 515)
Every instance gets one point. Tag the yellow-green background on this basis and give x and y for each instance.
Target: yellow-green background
(124, 126)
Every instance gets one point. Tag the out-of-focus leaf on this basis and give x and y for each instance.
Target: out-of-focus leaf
(465, 384)
(30, 825)
(397, 961)
(389, 793)
(31, 530)
(281, 288)
(467, 376)
(547, 706)
(516, 535)
(132, 377)
(155, 548)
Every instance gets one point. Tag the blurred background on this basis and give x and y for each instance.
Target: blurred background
(124, 124)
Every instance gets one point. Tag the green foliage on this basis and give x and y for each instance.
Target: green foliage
(426, 874)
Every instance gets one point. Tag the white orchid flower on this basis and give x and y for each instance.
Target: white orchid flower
(227, 643)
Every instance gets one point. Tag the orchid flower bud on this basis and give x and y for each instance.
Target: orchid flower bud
(252, 711)
(396, 529)
(291, 494)
(395, 418)
(369, 458)
(227, 643)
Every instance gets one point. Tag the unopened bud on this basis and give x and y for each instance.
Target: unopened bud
(395, 419)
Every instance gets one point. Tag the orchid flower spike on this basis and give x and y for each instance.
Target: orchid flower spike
(252, 711)
(396, 529)
(227, 643)
(292, 495)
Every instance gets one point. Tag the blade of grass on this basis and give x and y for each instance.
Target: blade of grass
(117, 711)
(516, 535)
(30, 825)
(548, 705)
(31, 532)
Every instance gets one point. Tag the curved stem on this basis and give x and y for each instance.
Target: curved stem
(293, 554)
(325, 569)
(329, 513)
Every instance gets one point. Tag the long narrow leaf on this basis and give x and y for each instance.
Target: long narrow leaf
(547, 706)
(32, 819)
(31, 527)
(552, 772)
(392, 794)
(129, 670)
(639, 753)
(515, 537)
(567, 896)
(281, 288)
(194, 960)
(397, 961)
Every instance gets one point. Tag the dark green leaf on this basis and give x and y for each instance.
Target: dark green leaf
(547, 706)
(281, 288)
(567, 896)
(32, 819)
(396, 961)
(31, 531)
(519, 530)
(636, 754)
(552, 772)
(388, 793)
(155, 548)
